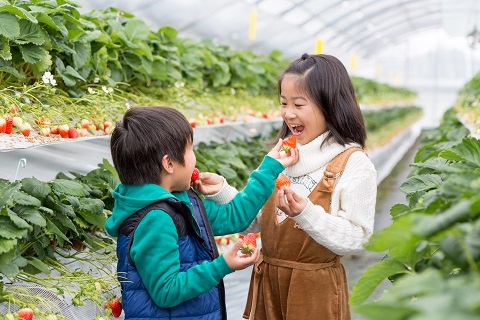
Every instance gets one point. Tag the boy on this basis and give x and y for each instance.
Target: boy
(168, 264)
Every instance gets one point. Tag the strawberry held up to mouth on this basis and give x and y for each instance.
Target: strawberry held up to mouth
(289, 143)
(195, 175)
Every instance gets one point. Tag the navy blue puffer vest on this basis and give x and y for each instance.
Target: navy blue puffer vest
(193, 249)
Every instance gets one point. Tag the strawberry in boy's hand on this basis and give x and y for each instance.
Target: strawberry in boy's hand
(116, 306)
(195, 175)
(282, 181)
(289, 143)
(249, 243)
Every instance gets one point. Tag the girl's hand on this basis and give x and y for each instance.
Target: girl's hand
(240, 261)
(290, 203)
(287, 159)
(208, 183)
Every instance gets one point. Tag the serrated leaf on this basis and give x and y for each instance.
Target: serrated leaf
(399, 209)
(26, 199)
(421, 183)
(7, 257)
(136, 30)
(92, 211)
(30, 33)
(69, 187)
(372, 277)
(17, 221)
(7, 190)
(467, 150)
(67, 222)
(82, 54)
(30, 214)
(400, 232)
(7, 245)
(9, 25)
(22, 13)
(9, 230)
(36, 188)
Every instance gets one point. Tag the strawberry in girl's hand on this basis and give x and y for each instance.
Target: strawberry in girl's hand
(116, 306)
(195, 175)
(282, 181)
(289, 143)
(249, 243)
(25, 314)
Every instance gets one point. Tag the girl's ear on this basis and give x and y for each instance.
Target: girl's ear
(167, 164)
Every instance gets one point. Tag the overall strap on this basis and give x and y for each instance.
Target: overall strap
(332, 172)
(177, 210)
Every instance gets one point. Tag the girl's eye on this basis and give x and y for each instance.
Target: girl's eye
(298, 105)
(283, 103)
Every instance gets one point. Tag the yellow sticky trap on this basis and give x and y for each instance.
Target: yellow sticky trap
(319, 46)
(353, 62)
(253, 21)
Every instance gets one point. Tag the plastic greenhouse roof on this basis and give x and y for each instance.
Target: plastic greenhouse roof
(292, 26)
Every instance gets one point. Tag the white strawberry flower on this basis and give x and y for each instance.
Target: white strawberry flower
(91, 91)
(96, 80)
(104, 88)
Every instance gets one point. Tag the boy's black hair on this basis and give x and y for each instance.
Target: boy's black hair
(141, 139)
(327, 83)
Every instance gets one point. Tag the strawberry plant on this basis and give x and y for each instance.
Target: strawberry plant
(46, 225)
(433, 253)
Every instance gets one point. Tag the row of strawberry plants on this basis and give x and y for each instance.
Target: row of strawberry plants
(45, 223)
(433, 243)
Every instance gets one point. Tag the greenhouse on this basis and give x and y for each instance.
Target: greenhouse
(106, 108)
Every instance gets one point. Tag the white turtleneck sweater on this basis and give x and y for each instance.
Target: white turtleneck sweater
(350, 222)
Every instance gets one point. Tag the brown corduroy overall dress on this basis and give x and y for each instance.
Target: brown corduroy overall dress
(296, 278)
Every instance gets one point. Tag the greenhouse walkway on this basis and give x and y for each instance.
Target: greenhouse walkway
(388, 194)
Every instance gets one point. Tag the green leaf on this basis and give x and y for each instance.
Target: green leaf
(372, 277)
(427, 226)
(136, 30)
(38, 264)
(9, 230)
(82, 54)
(52, 228)
(396, 234)
(9, 270)
(421, 183)
(7, 245)
(67, 222)
(31, 215)
(22, 13)
(69, 71)
(398, 210)
(26, 199)
(32, 53)
(7, 190)
(17, 221)
(9, 25)
(68, 187)
(467, 150)
(92, 211)
(36, 188)
(30, 33)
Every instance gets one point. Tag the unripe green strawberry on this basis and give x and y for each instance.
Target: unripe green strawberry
(17, 122)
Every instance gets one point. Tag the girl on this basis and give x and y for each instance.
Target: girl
(327, 212)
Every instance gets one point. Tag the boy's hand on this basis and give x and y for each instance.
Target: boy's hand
(240, 261)
(208, 183)
(290, 203)
(287, 159)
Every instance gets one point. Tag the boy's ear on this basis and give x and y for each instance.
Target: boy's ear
(167, 164)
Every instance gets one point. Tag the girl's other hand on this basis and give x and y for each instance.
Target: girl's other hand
(286, 159)
(290, 203)
(240, 261)
(208, 183)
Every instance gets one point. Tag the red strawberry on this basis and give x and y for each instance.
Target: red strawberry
(249, 243)
(282, 181)
(116, 306)
(54, 130)
(9, 124)
(85, 123)
(26, 128)
(63, 130)
(289, 143)
(72, 133)
(195, 175)
(3, 125)
(25, 314)
(193, 123)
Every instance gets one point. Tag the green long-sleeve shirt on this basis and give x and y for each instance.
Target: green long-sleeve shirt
(155, 250)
